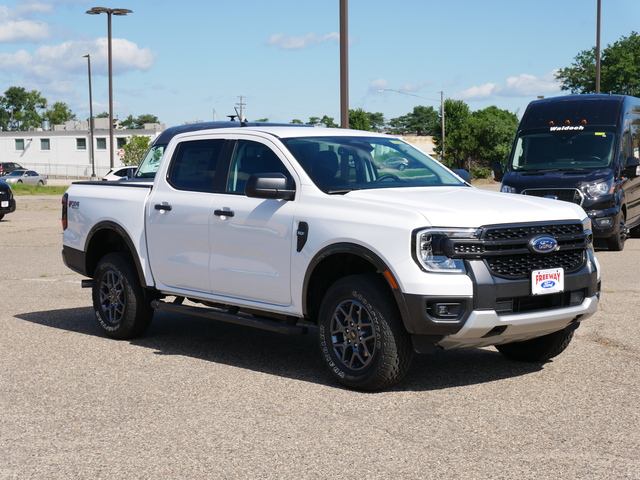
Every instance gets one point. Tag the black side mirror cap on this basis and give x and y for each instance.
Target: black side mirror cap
(463, 174)
(269, 185)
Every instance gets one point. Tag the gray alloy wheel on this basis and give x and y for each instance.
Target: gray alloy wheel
(362, 339)
(119, 301)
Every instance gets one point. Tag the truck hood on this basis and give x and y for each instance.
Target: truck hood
(556, 179)
(470, 207)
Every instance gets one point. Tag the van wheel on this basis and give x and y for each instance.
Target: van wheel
(538, 349)
(362, 339)
(119, 302)
(616, 241)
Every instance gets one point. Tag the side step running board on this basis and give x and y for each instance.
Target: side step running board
(248, 321)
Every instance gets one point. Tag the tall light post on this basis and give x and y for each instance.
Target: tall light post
(344, 63)
(599, 6)
(110, 12)
(91, 158)
(426, 98)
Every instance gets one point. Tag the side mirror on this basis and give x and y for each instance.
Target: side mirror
(464, 175)
(269, 185)
(632, 168)
(497, 171)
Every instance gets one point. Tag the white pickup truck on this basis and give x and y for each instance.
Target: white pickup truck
(359, 236)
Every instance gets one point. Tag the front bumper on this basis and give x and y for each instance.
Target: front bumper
(606, 222)
(10, 206)
(500, 310)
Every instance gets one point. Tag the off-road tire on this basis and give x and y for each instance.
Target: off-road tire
(119, 301)
(361, 336)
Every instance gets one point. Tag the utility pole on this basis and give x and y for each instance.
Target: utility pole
(241, 105)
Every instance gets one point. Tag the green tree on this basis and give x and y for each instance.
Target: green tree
(59, 113)
(325, 120)
(359, 120)
(421, 121)
(492, 131)
(138, 123)
(135, 148)
(102, 115)
(458, 140)
(21, 110)
(296, 121)
(376, 121)
(619, 69)
(262, 120)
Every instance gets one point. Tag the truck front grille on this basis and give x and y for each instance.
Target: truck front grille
(507, 254)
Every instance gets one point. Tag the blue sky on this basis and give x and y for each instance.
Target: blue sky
(186, 60)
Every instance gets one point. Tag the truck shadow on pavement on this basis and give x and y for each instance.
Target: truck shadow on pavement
(295, 357)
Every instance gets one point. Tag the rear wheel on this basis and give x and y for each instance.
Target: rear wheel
(119, 302)
(538, 349)
(362, 339)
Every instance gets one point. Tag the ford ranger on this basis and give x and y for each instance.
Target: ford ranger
(312, 229)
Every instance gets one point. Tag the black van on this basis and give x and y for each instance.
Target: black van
(581, 149)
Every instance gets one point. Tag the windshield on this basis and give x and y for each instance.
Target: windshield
(586, 148)
(151, 162)
(16, 173)
(340, 164)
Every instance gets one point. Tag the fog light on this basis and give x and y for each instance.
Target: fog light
(445, 310)
(604, 222)
(577, 297)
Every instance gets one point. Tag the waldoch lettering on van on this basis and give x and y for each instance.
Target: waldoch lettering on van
(582, 149)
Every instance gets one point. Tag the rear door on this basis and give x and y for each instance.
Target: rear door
(178, 215)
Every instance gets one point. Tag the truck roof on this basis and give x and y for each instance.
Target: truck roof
(171, 132)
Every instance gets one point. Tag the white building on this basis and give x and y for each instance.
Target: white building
(64, 150)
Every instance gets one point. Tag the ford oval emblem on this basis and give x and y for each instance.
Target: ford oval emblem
(543, 245)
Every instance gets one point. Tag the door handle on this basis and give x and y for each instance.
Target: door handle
(162, 207)
(224, 213)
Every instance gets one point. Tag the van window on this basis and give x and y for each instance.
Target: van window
(564, 150)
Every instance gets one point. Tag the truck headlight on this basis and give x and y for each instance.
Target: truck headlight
(429, 249)
(599, 189)
(507, 189)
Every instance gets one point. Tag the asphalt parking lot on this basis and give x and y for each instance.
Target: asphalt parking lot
(198, 399)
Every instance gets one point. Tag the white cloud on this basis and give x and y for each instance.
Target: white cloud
(284, 42)
(524, 85)
(15, 29)
(66, 59)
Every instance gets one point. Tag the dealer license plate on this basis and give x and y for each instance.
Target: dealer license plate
(5, 203)
(547, 281)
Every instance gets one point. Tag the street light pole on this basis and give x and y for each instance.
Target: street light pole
(344, 63)
(426, 98)
(598, 47)
(91, 157)
(110, 12)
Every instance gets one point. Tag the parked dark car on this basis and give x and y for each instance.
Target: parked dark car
(7, 167)
(7, 202)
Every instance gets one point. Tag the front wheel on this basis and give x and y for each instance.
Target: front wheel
(361, 337)
(119, 302)
(538, 349)
(617, 240)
